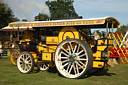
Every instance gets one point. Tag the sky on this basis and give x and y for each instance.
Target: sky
(86, 8)
(102, 8)
(27, 9)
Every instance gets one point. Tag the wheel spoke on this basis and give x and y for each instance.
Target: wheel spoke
(29, 66)
(22, 57)
(65, 50)
(74, 68)
(69, 49)
(78, 64)
(65, 65)
(81, 63)
(82, 59)
(27, 57)
(77, 69)
(28, 63)
(71, 46)
(64, 54)
(82, 55)
(80, 52)
(29, 60)
(45, 66)
(78, 48)
(64, 58)
(64, 61)
(21, 65)
(68, 67)
(21, 61)
(70, 70)
(26, 67)
(75, 49)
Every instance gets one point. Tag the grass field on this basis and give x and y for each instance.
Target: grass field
(9, 75)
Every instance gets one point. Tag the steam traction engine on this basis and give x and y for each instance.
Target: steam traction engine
(71, 51)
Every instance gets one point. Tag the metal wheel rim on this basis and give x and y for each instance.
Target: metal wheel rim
(67, 67)
(43, 66)
(24, 62)
(14, 56)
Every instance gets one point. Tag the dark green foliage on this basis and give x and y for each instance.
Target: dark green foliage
(43, 17)
(60, 9)
(99, 33)
(6, 15)
(123, 29)
(86, 31)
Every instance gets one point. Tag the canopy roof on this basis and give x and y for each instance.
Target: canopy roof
(7, 28)
(91, 22)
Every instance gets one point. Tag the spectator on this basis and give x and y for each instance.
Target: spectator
(1, 51)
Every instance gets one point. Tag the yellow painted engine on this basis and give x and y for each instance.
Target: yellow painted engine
(65, 45)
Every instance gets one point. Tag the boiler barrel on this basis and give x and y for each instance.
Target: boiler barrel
(28, 47)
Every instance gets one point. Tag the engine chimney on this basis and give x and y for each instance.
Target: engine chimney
(37, 18)
(24, 20)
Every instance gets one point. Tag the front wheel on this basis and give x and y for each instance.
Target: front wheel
(73, 58)
(25, 62)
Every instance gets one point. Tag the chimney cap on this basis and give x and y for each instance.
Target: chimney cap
(37, 18)
(24, 20)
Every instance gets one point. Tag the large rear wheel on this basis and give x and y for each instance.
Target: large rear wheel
(73, 58)
(25, 62)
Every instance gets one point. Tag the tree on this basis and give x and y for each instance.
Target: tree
(99, 33)
(123, 29)
(43, 17)
(6, 15)
(60, 9)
